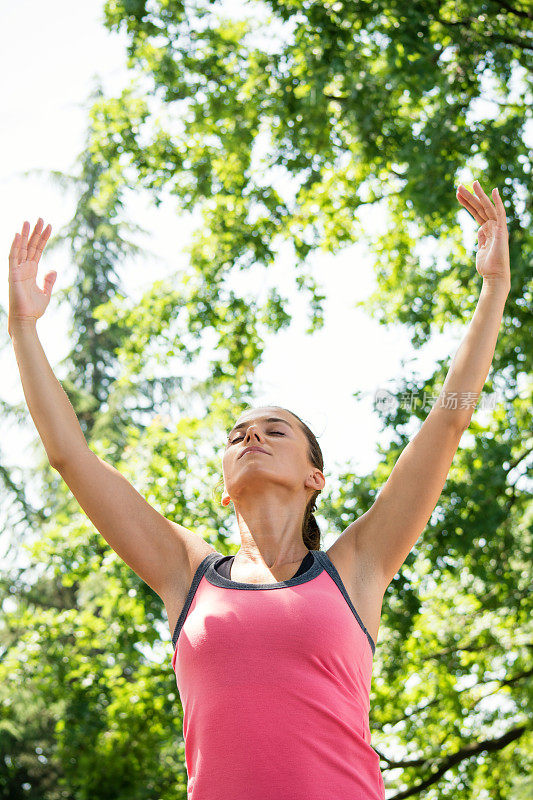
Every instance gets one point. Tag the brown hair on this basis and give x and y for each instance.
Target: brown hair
(310, 529)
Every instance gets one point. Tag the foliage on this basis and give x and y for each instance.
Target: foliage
(279, 128)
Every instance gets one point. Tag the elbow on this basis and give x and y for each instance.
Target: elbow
(461, 427)
(56, 464)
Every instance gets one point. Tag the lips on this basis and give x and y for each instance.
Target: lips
(251, 449)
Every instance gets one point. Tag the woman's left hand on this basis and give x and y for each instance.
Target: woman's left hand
(492, 258)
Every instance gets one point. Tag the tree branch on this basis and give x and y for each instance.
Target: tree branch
(519, 458)
(508, 40)
(465, 23)
(518, 12)
(468, 751)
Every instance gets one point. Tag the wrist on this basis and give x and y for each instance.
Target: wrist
(16, 324)
(496, 286)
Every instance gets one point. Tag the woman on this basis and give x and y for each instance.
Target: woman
(273, 648)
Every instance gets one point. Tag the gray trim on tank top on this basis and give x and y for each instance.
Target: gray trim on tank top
(201, 568)
(217, 579)
(207, 566)
(330, 568)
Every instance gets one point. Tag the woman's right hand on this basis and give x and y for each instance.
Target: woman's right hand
(26, 300)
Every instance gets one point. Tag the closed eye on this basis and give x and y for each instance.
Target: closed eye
(238, 438)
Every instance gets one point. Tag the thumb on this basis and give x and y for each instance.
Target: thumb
(49, 280)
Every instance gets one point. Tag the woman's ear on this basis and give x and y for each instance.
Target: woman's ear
(316, 480)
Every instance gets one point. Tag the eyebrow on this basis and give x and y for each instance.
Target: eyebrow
(269, 419)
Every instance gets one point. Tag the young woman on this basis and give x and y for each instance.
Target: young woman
(273, 648)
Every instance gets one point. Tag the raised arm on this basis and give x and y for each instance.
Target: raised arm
(384, 536)
(163, 553)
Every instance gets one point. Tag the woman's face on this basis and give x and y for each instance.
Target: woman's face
(284, 460)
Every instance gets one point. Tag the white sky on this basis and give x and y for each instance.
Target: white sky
(50, 54)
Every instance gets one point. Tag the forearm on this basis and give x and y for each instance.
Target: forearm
(49, 406)
(470, 366)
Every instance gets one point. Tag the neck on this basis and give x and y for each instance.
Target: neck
(271, 532)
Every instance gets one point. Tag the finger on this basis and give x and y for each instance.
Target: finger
(49, 281)
(500, 208)
(45, 235)
(14, 252)
(473, 202)
(34, 239)
(471, 209)
(23, 252)
(487, 205)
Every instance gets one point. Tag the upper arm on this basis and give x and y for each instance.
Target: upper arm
(387, 532)
(161, 552)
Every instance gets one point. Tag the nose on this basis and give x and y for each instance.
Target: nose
(252, 433)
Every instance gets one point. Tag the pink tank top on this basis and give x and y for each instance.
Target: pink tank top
(274, 681)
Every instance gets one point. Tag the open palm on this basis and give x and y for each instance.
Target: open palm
(26, 299)
(492, 258)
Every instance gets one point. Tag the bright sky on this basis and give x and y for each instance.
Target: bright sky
(50, 55)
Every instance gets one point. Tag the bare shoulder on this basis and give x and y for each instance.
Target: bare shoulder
(196, 546)
(350, 554)
(361, 577)
(196, 549)
(177, 587)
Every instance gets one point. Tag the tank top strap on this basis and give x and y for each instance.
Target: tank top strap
(198, 575)
(330, 568)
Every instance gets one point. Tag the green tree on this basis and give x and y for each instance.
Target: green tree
(280, 129)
